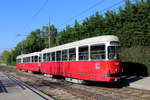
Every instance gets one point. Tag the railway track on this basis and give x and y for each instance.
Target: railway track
(15, 89)
(23, 85)
(63, 90)
(117, 94)
(104, 93)
(87, 92)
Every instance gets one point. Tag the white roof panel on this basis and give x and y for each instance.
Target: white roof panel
(28, 55)
(88, 41)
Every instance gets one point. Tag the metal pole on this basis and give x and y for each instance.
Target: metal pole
(49, 36)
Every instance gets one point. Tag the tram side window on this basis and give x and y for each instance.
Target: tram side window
(98, 52)
(28, 59)
(32, 59)
(44, 57)
(23, 60)
(36, 58)
(64, 55)
(72, 54)
(83, 53)
(40, 58)
(53, 56)
(48, 57)
(58, 56)
(18, 60)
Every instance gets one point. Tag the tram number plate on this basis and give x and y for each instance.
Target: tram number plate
(97, 66)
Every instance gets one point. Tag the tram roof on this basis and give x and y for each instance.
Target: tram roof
(28, 55)
(87, 41)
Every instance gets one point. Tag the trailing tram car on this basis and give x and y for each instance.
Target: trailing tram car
(28, 62)
(93, 59)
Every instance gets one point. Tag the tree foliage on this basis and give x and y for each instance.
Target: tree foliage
(131, 24)
(6, 57)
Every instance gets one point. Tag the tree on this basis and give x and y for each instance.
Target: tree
(6, 57)
(45, 35)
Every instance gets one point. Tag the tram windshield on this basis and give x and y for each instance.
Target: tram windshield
(114, 52)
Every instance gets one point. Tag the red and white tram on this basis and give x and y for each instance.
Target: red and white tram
(95, 59)
(29, 62)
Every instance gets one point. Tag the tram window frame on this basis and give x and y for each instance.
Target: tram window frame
(53, 57)
(100, 52)
(83, 53)
(72, 54)
(65, 55)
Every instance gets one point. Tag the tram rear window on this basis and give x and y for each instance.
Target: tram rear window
(98, 52)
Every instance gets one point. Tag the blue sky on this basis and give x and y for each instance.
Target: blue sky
(24, 16)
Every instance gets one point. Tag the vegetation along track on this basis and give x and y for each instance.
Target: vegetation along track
(62, 90)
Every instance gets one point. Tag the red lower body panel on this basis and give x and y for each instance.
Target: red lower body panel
(84, 70)
(28, 66)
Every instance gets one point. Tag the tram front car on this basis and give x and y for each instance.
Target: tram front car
(115, 70)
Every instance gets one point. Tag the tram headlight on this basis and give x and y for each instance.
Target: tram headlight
(116, 70)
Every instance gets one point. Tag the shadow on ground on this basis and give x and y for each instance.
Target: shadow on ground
(134, 69)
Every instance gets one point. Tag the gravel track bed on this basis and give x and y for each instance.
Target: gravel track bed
(63, 90)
